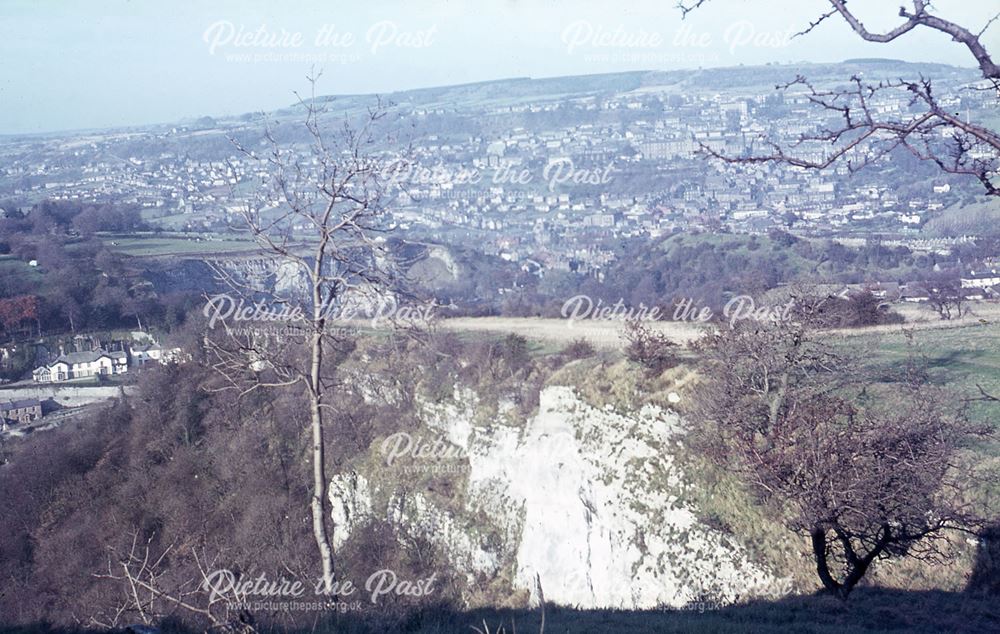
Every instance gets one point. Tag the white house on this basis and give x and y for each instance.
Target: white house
(78, 365)
(145, 353)
(981, 280)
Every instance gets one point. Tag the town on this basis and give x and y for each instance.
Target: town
(548, 172)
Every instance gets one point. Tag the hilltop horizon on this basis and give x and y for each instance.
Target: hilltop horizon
(538, 81)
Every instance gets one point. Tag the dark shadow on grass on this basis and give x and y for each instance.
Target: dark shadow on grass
(985, 578)
(868, 610)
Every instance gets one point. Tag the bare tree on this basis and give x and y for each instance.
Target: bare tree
(140, 573)
(865, 471)
(945, 296)
(930, 131)
(317, 212)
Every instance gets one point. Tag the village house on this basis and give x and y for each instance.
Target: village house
(20, 411)
(142, 354)
(145, 349)
(981, 279)
(76, 365)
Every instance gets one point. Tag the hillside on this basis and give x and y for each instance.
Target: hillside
(514, 90)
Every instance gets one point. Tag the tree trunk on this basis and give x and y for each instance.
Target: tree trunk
(318, 505)
(853, 577)
(857, 567)
(818, 536)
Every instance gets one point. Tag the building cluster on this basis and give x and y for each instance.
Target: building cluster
(592, 178)
(549, 180)
(94, 359)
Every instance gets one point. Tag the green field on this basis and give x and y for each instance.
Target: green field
(10, 264)
(12, 269)
(178, 246)
(173, 222)
(961, 359)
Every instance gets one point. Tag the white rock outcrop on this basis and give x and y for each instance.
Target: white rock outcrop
(586, 500)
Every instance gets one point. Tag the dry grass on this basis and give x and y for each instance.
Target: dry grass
(607, 335)
(603, 335)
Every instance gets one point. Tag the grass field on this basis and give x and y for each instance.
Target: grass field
(965, 356)
(10, 263)
(606, 334)
(963, 359)
(601, 334)
(175, 222)
(178, 246)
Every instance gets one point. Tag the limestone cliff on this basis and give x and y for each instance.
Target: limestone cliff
(587, 499)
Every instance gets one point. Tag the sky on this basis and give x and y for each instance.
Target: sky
(68, 65)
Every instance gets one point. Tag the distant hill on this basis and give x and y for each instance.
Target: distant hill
(733, 77)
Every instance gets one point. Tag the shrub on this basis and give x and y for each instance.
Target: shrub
(578, 349)
(652, 350)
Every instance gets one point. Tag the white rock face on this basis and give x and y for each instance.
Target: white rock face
(351, 505)
(586, 502)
